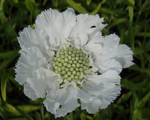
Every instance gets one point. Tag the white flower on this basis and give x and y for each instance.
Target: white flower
(66, 59)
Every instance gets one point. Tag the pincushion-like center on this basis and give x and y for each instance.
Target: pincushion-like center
(71, 63)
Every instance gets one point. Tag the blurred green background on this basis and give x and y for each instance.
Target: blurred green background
(129, 19)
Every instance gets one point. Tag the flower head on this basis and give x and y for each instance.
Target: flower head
(65, 59)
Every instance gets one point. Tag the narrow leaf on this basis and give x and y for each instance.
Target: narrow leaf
(130, 8)
(8, 54)
(4, 85)
(143, 101)
(77, 6)
(88, 2)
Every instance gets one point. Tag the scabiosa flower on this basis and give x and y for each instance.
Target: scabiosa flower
(66, 60)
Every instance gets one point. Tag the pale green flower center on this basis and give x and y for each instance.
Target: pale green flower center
(71, 63)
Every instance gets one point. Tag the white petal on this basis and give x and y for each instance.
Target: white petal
(69, 105)
(94, 45)
(68, 99)
(110, 78)
(51, 105)
(91, 107)
(110, 64)
(84, 96)
(68, 22)
(124, 55)
(110, 43)
(105, 87)
(112, 50)
(80, 40)
(28, 91)
(36, 57)
(84, 23)
(41, 81)
(58, 26)
(50, 21)
(109, 96)
(97, 38)
(50, 102)
(30, 60)
(23, 69)
(23, 39)
(37, 36)
(99, 27)
(92, 88)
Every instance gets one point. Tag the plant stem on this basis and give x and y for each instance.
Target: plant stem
(71, 116)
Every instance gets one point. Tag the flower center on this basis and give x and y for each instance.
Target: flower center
(71, 63)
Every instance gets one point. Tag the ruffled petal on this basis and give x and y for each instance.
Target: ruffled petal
(94, 44)
(84, 96)
(110, 78)
(110, 43)
(112, 50)
(124, 55)
(50, 102)
(58, 26)
(29, 92)
(80, 40)
(69, 104)
(110, 64)
(67, 97)
(29, 37)
(92, 107)
(42, 80)
(23, 69)
(30, 60)
(84, 23)
(50, 21)
(109, 96)
(68, 22)
(36, 58)
(105, 87)
(51, 105)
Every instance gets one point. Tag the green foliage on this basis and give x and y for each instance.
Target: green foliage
(129, 19)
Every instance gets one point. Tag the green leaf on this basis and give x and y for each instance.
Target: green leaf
(77, 6)
(82, 116)
(19, 110)
(143, 101)
(24, 114)
(44, 2)
(124, 97)
(8, 54)
(2, 15)
(28, 108)
(145, 113)
(6, 62)
(136, 68)
(117, 22)
(144, 6)
(143, 34)
(42, 112)
(32, 7)
(4, 85)
(37, 116)
(55, 3)
(131, 14)
(16, 1)
(88, 2)
(97, 8)
(11, 109)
